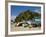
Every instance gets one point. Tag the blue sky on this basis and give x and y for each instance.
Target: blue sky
(15, 10)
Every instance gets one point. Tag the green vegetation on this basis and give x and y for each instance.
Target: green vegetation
(26, 15)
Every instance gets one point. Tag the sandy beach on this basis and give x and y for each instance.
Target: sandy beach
(13, 28)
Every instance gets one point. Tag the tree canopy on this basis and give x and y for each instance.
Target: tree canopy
(26, 15)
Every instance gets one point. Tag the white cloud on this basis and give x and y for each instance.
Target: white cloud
(13, 17)
(38, 11)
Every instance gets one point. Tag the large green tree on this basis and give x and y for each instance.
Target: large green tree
(26, 15)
